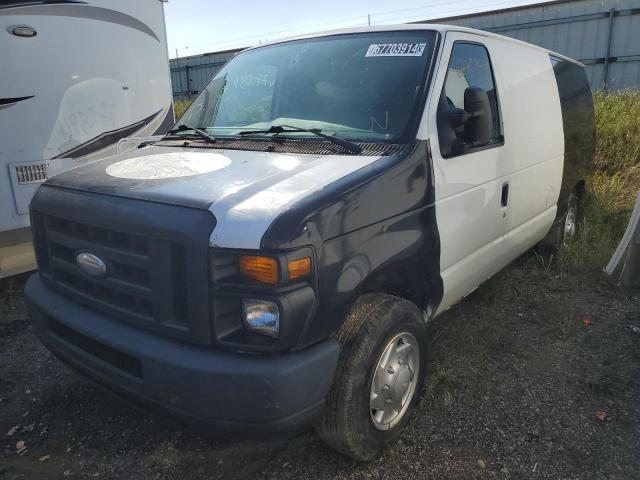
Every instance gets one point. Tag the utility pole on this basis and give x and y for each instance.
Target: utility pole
(179, 72)
(607, 58)
(369, 19)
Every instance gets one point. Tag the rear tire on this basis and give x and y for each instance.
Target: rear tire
(379, 376)
(565, 230)
(569, 226)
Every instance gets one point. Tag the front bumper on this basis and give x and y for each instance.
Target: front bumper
(205, 388)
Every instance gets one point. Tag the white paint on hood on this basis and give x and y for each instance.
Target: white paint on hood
(168, 165)
(242, 225)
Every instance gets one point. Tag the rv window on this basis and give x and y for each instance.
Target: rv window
(18, 3)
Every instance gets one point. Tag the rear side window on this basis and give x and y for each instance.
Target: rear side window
(578, 120)
(576, 103)
(470, 66)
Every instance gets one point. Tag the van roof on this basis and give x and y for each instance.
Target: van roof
(414, 26)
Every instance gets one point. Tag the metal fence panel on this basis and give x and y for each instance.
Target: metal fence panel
(189, 75)
(603, 34)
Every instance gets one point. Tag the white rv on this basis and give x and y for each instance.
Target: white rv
(77, 76)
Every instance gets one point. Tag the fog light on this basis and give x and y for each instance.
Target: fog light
(261, 316)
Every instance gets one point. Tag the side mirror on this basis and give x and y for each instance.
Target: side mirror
(479, 124)
(461, 129)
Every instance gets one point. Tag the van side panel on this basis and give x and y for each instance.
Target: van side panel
(579, 124)
(534, 141)
(533, 131)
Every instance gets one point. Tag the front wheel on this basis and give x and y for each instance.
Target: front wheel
(379, 376)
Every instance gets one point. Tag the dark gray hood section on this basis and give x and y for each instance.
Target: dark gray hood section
(244, 190)
(195, 177)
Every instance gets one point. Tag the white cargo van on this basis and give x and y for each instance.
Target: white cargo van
(76, 77)
(270, 264)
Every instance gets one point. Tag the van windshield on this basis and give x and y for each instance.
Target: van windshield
(361, 87)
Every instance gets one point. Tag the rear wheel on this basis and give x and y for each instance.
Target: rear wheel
(565, 230)
(379, 376)
(569, 227)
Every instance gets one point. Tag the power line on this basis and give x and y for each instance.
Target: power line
(452, 14)
(361, 20)
(430, 7)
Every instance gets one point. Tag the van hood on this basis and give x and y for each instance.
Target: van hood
(245, 190)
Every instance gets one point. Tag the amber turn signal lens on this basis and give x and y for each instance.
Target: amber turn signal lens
(299, 268)
(263, 269)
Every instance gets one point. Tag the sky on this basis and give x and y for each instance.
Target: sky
(200, 26)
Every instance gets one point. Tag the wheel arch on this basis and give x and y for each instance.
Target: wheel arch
(403, 280)
(579, 188)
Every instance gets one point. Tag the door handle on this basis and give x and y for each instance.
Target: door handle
(504, 199)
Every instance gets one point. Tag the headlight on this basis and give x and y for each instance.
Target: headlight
(261, 316)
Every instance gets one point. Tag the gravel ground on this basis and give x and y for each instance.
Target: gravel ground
(517, 374)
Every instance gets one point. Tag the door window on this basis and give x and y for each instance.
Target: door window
(469, 66)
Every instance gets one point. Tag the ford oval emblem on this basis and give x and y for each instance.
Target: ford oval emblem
(91, 265)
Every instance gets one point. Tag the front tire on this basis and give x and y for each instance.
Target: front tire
(379, 376)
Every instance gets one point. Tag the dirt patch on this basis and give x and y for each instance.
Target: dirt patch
(13, 312)
(517, 373)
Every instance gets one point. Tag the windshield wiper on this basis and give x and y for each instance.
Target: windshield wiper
(276, 129)
(183, 127)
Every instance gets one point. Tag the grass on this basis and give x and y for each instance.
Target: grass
(614, 183)
(179, 106)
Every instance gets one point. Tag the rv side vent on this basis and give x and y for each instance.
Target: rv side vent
(32, 173)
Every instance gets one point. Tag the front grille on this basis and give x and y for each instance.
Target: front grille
(156, 256)
(146, 281)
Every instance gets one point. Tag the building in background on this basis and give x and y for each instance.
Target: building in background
(189, 75)
(602, 34)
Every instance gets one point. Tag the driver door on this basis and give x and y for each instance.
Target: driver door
(471, 183)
